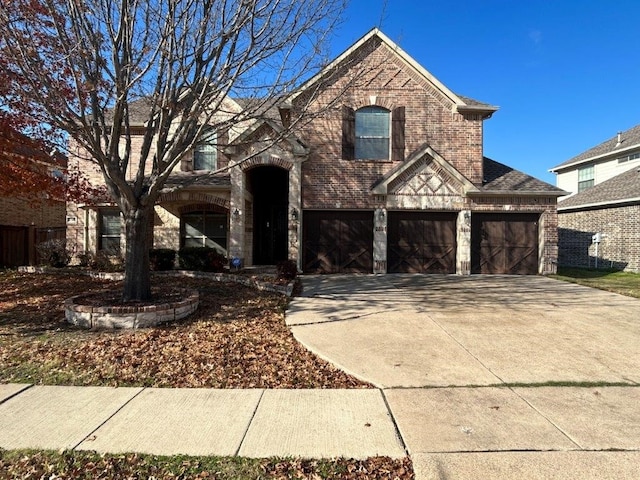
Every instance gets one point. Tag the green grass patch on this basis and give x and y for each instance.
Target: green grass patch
(90, 465)
(624, 283)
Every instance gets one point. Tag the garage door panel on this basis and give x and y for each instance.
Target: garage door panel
(421, 242)
(337, 242)
(504, 244)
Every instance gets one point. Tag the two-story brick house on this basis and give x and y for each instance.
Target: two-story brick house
(387, 176)
(604, 182)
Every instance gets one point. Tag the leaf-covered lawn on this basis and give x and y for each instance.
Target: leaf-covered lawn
(88, 465)
(236, 339)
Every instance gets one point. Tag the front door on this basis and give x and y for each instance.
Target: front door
(270, 189)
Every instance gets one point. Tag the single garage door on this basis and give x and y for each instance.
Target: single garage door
(337, 242)
(421, 242)
(504, 243)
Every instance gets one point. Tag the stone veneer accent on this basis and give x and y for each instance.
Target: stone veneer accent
(128, 316)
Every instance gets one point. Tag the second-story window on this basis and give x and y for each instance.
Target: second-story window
(586, 177)
(205, 153)
(373, 133)
(373, 126)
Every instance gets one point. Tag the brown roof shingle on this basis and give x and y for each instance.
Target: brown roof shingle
(502, 178)
(619, 189)
(629, 138)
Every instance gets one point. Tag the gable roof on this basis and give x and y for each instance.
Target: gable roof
(623, 188)
(461, 103)
(629, 139)
(500, 178)
(381, 186)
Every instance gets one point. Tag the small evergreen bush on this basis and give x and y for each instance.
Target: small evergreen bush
(287, 270)
(202, 259)
(54, 253)
(162, 258)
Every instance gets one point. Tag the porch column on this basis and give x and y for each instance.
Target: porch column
(380, 240)
(463, 255)
(236, 215)
(294, 214)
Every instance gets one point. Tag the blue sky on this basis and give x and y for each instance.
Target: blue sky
(565, 73)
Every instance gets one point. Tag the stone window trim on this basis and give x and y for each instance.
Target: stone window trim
(397, 134)
(208, 153)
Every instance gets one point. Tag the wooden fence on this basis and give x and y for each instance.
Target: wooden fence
(18, 244)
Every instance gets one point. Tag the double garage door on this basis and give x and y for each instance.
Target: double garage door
(419, 242)
(342, 242)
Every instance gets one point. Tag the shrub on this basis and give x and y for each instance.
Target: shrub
(108, 261)
(287, 270)
(54, 253)
(86, 259)
(201, 258)
(162, 258)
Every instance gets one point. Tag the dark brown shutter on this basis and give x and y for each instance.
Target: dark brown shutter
(348, 133)
(397, 134)
(222, 140)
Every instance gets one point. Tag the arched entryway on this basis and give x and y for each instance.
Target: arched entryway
(269, 187)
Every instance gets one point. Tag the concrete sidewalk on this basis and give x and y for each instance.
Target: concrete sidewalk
(249, 423)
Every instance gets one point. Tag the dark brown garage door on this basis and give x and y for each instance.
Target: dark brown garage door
(420, 242)
(504, 243)
(337, 242)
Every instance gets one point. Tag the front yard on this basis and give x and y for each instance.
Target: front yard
(236, 339)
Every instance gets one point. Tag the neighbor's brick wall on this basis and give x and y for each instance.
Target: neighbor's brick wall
(620, 248)
(330, 182)
(20, 212)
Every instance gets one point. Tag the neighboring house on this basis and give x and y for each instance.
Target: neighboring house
(392, 179)
(27, 218)
(600, 225)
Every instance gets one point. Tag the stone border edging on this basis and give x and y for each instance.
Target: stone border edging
(113, 317)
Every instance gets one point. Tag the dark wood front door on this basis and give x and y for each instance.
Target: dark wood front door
(270, 189)
(421, 242)
(504, 243)
(337, 242)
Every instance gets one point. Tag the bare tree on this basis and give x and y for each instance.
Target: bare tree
(78, 66)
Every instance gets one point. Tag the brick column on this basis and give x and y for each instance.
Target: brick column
(237, 215)
(295, 214)
(463, 255)
(380, 240)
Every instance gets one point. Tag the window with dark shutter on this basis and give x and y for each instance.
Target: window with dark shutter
(372, 133)
(397, 134)
(348, 133)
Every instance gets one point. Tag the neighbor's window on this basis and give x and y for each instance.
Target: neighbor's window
(205, 153)
(205, 229)
(109, 235)
(586, 177)
(373, 127)
(628, 158)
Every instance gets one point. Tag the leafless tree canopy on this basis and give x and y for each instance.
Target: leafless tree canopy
(82, 66)
(86, 61)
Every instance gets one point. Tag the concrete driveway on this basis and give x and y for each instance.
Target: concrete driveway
(489, 376)
(426, 331)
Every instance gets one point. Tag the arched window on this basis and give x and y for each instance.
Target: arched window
(373, 133)
(205, 153)
(373, 125)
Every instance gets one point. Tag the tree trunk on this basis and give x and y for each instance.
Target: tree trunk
(137, 277)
